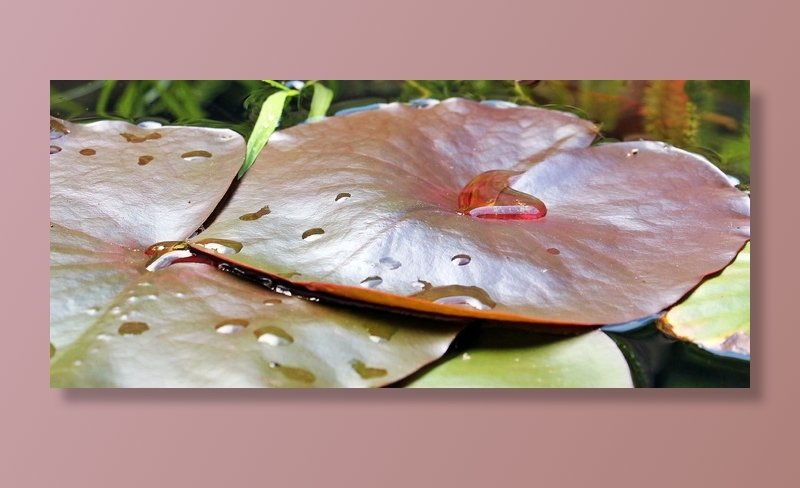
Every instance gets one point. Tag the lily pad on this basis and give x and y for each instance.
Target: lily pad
(125, 310)
(716, 316)
(516, 358)
(371, 206)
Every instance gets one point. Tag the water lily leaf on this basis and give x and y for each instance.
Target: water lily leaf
(516, 358)
(716, 316)
(370, 206)
(119, 316)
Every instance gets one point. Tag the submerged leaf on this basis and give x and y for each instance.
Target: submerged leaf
(629, 228)
(716, 316)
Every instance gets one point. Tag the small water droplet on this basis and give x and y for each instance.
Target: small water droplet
(52, 350)
(256, 215)
(180, 295)
(390, 263)
(274, 336)
(283, 290)
(136, 139)
(133, 328)
(54, 149)
(132, 299)
(271, 302)
(116, 311)
(460, 259)
(230, 326)
(103, 337)
(123, 316)
(77, 363)
(490, 196)
(342, 196)
(466, 356)
(633, 152)
(313, 234)
(221, 246)
(88, 151)
(365, 371)
(193, 156)
(145, 159)
(297, 374)
(459, 295)
(93, 310)
(553, 251)
(371, 281)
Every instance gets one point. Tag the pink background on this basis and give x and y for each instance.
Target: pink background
(127, 438)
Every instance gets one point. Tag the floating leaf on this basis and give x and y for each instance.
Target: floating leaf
(629, 228)
(515, 358)
(716, 316)
(125, 310)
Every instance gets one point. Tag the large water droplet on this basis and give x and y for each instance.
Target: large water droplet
(221, 246)
(313, 234)
(274, 336)
(145, 159)
(365, 371)
(193, 156)
(389, 263)
(460, 259)
(88, 151)
(342, 196)
(371, 281)
(136, 139)
(489, 196)
(230, 326)
(466, 296)
(133, 328)
(553, 251)
(256, 215)
(54, 149)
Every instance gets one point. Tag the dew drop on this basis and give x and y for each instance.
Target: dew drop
(221, 246)
(274, 336)
(150, 124)
(390, 263)
(93, 310)
(256, 215)
(136, 139)
(489, 196)
(133, 328)
(193, 156)
(633, 152)
(52, 350)
(466, 356)
(365, 371)
(145, 159)
(342, 196)
(88, 151)
(230, 326)
(283, 290)
(313, 234)
(271, 302)
(460, 259)
(116, 311)
(371, 281)
(553, 251)
(54, 149)
(297, 374)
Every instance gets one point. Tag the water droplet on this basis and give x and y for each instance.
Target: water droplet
(274, 336)
(77, 363)
(145, 159)
(467, 296)
(297, 374)
(271, 302)
(163, 246)
(136, 139)
(256, 215)
(390, 263)
(460, 259)
(489, 196)
(103, 337)
(230, 326)
(466, 356)
(372, 281)
(313, 234)
(93, 310)
(221, 246)
(115, 311)
(365, 371)
(379, 332)
(54, 149)
(423, 102)
(52, 350)
(180, 295)
(283, 290)
(132, 299)
(633, 152)
(193, 156)
(553, 251)
(133, 328)
(342, 196)
(150, 124)
(88, 151)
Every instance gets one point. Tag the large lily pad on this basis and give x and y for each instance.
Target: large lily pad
(716, 316)
(121, 317)
(367, 205)
(515, 358)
